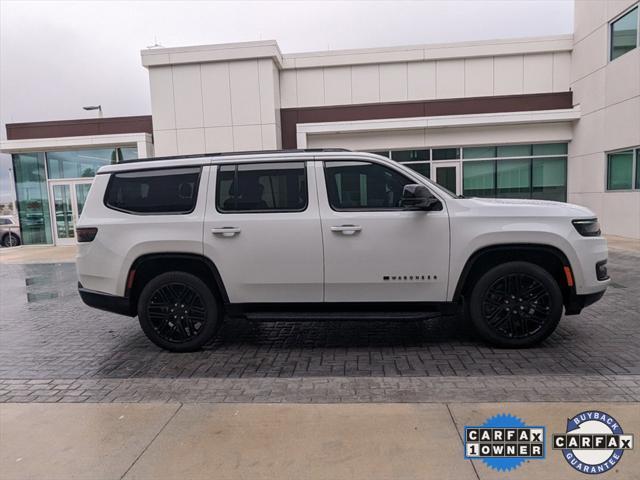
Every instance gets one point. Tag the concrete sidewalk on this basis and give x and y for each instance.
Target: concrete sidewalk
(302, 441)
(38, 254)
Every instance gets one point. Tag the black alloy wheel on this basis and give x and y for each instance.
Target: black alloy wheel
(516, 304)
(178, 312)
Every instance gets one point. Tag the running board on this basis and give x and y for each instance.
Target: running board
(338, 316)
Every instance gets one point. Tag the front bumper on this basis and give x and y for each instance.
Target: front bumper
(105, 301)
(576, 303)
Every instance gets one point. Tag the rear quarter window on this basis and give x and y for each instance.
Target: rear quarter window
(166, 191)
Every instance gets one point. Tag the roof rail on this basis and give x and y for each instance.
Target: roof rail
(248, 152)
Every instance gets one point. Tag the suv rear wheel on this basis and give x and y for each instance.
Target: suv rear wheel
(10, 240)
(516, 304)
(178, 312)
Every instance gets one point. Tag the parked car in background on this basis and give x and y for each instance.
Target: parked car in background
(9, 231)
(182, 242)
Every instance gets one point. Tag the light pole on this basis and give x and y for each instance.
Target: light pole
(94, 107)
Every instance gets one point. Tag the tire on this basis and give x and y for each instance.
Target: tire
(10, 240)
(167, 295)
(514, 305)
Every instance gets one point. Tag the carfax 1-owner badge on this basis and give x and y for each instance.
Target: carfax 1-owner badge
(593, 443)
(504, 442)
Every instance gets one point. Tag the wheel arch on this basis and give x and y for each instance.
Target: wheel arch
(147, 266)
(551, 258)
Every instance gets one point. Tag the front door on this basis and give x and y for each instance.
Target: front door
(374, 251)
(447, 174)
(262, 231)
(67, 200)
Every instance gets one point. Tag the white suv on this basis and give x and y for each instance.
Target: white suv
(182, 241)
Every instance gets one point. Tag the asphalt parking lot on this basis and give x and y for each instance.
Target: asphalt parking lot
(55, 349)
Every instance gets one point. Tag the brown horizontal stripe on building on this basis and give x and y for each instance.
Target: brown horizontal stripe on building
(290, 117)
(80, 127)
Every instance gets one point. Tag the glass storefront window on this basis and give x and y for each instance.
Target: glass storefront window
(624, 34)
(513, 178)
(79, 163)
(479, 152)
(128, 153)
(638, 168)
(422, 168)
(507, 171)
(383, 153)
(409, 155)
(620, 170)
(445, 153)
(548, 149)
(549, 179)
(479, 178)
(513, 151)
(32, 198)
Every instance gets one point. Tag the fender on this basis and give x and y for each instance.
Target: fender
(137, 263)
(507, 247)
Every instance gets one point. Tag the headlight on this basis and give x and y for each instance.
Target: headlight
(588, 227)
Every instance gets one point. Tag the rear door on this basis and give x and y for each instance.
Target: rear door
(374, 250)
(262, 231)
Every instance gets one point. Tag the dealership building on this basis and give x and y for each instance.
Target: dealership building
(554, 118)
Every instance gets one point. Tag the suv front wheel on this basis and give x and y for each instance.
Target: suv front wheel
(516, 304)
(178, 312)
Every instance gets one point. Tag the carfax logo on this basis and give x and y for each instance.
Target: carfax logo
(504, 442)
(594, 442)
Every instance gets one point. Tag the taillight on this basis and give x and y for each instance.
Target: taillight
(86, 234)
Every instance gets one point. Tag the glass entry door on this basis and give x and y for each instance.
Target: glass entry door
(447, 174)
(67, 202)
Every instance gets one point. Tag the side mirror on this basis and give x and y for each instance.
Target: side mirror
(419, 197)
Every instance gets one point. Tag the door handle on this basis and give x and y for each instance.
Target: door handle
(346, 229)
(225, 231)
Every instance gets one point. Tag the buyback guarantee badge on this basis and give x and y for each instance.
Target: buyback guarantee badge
(593, 443)
(504, 442)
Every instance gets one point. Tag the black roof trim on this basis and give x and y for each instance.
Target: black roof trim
(226, 154)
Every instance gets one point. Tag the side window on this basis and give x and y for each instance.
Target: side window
(261, 187)
(167, 191)
(624, 34)
(363, 186)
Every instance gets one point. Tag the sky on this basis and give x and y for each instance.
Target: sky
(57, 56)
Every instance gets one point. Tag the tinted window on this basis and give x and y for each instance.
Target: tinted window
(624, 34)
(154, 191)
(620, 171)
(5, 221)
(262, 187)
(363, 186)
(445, 153)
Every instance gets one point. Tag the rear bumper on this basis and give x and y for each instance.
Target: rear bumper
(576, 303)
(105, 301)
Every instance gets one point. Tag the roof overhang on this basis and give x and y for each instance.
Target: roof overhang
(436, 122)
(156, 57)
(73, 143)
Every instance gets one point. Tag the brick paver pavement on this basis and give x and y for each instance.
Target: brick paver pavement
(54, 348)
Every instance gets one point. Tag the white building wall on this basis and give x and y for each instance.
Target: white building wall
(215, 98)
(426, 80)
(608, 93)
